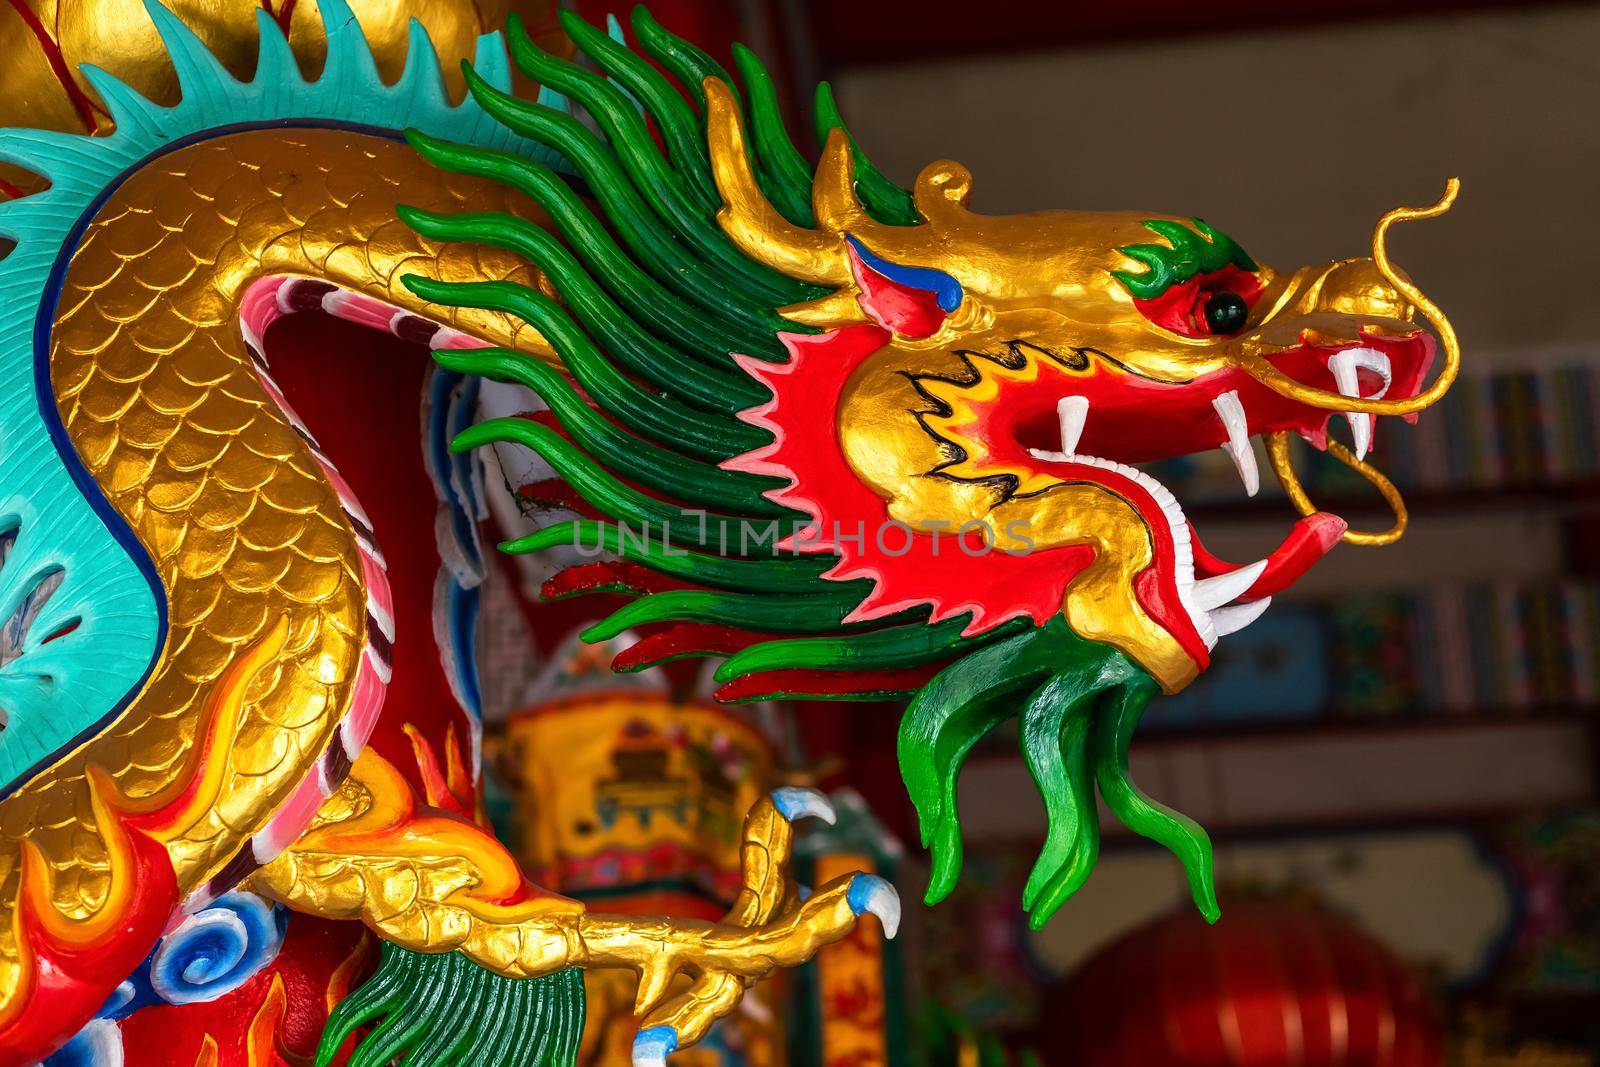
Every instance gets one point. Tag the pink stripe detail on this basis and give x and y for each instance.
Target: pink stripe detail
(377, 584)
(259, 308)
(346, 494)
(456, 340)
(292, 819)
(365, 703)
(277, 397)
(353, 307)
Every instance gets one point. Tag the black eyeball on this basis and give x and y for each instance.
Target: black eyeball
(1226, 312)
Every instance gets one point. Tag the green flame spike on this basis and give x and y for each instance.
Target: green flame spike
(687, 311)
(660, 418)
(1180, 834)
(686, 61)
(787, 575)
(902, 646)
(685, 526)
(1086, 698)
(1056, 727)
(819, 612)
(950, 715)
(883, 199)
(679, 127)
(662, 187)
(692, 67)
(623, 205)
(639, 460)
(788, 175)
(645, 356)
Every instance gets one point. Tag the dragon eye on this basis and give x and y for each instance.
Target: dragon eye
(1226, 312)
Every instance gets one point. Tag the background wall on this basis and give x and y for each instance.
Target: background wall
(1295, 141)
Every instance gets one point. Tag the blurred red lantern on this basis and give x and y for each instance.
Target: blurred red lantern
(1270, 985)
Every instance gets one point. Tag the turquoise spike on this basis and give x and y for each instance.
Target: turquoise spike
(57, 690)
(492, 63)
(422, 66)
(123, 102)
(69, 159)
(349, 55)
(201, 77)
(276, 68)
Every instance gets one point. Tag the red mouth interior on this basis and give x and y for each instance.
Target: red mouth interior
(1135, 420)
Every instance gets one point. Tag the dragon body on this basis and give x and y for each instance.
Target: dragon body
(205, 692)
(862, 441)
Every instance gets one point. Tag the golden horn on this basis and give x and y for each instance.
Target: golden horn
(1263, 371)
(833, 191)
(1278, 456)
(747, 218)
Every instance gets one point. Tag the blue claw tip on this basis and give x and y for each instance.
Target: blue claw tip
(868, 892)
(797, 802)
(652, 1046)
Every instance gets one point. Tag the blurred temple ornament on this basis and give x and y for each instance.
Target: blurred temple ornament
(1484, 1045)
(853, 1004)
(1278, 982)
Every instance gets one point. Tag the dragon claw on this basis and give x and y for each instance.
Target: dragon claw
(798, 802)
(652, 1046)
(766, 930)
(867, 893)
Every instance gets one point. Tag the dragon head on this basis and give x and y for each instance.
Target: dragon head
(865, 442)
(1028, 363)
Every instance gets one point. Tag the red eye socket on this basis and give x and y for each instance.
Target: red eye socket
(1209, 305)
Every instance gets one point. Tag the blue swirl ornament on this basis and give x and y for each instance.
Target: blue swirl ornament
(217, 950)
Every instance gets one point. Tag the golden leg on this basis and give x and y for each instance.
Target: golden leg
(434, 882)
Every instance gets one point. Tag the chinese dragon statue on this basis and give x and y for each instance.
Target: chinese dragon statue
(861, 441)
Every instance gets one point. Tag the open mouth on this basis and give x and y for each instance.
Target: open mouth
(1113, 424)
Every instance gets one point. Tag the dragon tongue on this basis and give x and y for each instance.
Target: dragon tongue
(1308, 542)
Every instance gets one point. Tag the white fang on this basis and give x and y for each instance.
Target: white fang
(1216, 591)
(1231, 411)
(1236, 617)
(1345, 365)
(1072, 411)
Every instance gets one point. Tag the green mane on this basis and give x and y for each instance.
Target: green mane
(654, 304)
(1187, 254)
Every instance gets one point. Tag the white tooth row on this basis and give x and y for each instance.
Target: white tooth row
(1208, 601)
